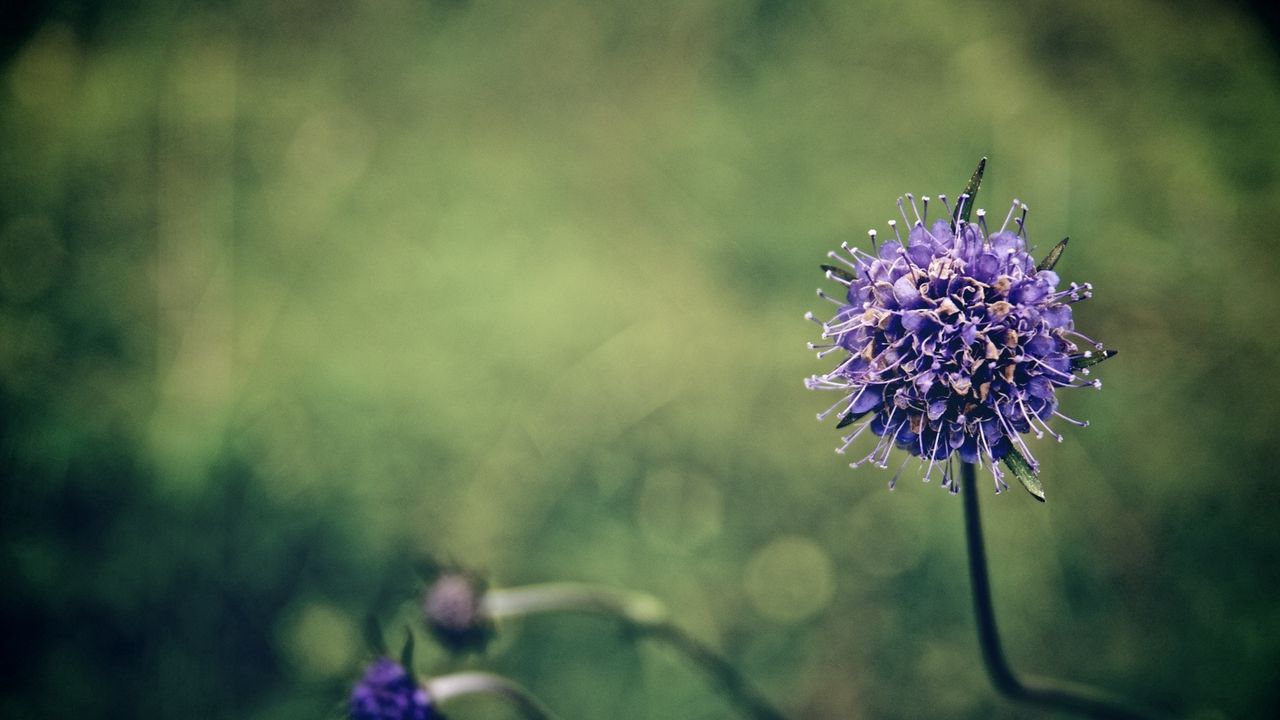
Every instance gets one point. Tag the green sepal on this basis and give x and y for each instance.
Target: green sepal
(1080, 361)
(1022, 469)
(406, 652)
(839, 272)
(373, 636)
(970, 189)
(1054, 255)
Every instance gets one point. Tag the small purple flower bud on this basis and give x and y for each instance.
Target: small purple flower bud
(388, 692)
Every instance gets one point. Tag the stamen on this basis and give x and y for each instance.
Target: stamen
(1097, 345)
(1026, 416)
(825, 382)
(937, 437)
(1038, 361)
(1049, 430)
(1073, 421)
(848, 440)
(1001, 486)
(842, 327)
(894, 481)
(837, 256)
(837, 278)
(1009, 217)
(829, 299)
(1014, 437)
(982, 443)
(842, 401)
(855, 252)
(902, 210)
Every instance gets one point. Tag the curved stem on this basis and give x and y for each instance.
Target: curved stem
(444, 688)
(640, 613)
(1045, 693)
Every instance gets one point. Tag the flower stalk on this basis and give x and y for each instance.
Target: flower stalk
(1043, 693)
(640, 613)
(445, 688)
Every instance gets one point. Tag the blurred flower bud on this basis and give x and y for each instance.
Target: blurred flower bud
(451, 605)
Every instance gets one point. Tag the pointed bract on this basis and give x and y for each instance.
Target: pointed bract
(964, 206)
(373, 635)
(406, 651)
(1026, 474)
(1054, 255)
(839, 272)
(850, 418)
(1091, 358)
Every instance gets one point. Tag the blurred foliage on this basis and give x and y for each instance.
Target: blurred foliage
(293, 293)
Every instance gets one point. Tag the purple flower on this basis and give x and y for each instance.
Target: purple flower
(953, 343)
(388, 692)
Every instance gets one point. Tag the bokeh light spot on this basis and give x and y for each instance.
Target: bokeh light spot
(888, 535)
(44, 75)
(679, 509)
(30, 257)
(320, 640)
(790, 579)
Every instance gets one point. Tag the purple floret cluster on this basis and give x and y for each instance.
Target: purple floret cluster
(953, 344)
(388, 692)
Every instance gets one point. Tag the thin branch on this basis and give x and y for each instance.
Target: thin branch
(444, 688)
(643, 614)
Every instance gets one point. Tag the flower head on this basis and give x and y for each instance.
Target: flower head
(953, 342)
(388, 692)
(452, 607)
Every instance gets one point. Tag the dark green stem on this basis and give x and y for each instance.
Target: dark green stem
(1044, 693)
(640, 613)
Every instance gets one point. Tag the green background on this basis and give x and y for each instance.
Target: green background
(294, 293)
